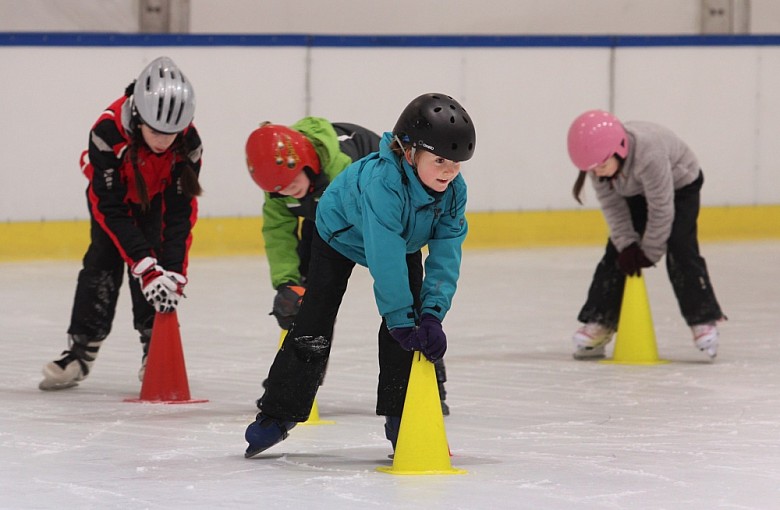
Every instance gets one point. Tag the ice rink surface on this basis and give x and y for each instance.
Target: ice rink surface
(533, 428)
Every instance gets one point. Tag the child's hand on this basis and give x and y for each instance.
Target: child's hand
(407, 337)
(433, 341)
(632, 259)
(287, 302)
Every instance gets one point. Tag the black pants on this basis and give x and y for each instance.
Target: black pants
(294, 376)
(686, 268)
(305, 235)
(99, 280)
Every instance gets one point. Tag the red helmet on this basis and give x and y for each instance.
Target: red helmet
(276, 154)
(594, 137)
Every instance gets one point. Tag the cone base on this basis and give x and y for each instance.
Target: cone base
(143, 401)
(630, 362)
(392, 471)
(318, 422)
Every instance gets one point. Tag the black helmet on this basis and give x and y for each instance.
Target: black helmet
(438, 124)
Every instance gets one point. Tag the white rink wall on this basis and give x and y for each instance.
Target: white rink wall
(724, 100)
(507, 17)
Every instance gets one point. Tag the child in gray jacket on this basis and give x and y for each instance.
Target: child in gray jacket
(648, 184)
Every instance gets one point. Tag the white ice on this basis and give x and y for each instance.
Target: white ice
(533, 428)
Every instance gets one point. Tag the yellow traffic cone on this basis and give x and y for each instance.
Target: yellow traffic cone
(635, 342)
(314, 414)
(422, 448)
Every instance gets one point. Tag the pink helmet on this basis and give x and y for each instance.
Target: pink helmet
(594, 137)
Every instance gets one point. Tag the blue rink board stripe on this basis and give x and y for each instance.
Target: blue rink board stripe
(104, 39)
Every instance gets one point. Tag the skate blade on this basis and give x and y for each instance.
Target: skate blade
(587, 356)
(711, 353)
(54, 386)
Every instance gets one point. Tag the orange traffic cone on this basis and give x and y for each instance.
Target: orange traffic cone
(165, 378)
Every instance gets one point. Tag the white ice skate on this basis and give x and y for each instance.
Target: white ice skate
(142, 370)
(73, 366)
(705, 338)
(590, 341)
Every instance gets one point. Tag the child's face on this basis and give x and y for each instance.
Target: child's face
(158, 142)
(298, 187)
(434, 171)
(607, 168)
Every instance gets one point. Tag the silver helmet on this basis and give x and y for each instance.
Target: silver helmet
(163, 97)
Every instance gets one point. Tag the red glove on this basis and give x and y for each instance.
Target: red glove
(161, 288)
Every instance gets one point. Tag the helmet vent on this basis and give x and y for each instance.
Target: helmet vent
(160, 105)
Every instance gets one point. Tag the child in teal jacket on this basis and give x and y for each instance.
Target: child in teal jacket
(379, 213)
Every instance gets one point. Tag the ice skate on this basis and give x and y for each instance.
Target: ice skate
(146, 337)
(72, 367)
(441, 378)
(590, 341)
(705, 338)
(392, 426)
(142, 370)
(264, 433)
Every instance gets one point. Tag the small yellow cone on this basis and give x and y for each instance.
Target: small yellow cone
(314, 415)
(422, 447)
(635, 343)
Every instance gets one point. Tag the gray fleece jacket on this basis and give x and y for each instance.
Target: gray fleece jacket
(657, 164)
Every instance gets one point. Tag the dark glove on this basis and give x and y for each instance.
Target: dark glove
(287, 303)
(433, 341)
(407, 337)
(632, 259)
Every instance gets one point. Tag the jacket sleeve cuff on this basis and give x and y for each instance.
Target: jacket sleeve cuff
(399, 319)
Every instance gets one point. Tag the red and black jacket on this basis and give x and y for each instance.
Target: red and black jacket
(113, 198)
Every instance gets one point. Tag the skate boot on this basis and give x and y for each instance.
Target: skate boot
(441, 378)
(590, 341)
(392, 426)
(146, 337)
(264, 433)
(73, 366)
(259, 401)
(705, 338)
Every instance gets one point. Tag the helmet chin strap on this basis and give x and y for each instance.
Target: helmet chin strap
(413, 152)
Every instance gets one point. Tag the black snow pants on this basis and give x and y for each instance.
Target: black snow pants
(294, 377)
(99, 280)
(686, 268)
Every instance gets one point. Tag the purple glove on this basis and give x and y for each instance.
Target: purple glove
(632, 259)
(407, 337)
(433, 341)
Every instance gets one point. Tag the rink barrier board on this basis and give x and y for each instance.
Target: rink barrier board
(221, 236)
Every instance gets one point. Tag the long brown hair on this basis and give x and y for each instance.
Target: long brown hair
(578, 184)
(190, 185)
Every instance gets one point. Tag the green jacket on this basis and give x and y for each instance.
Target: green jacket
(337, 145)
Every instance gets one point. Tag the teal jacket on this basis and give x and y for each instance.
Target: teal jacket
(377, 211)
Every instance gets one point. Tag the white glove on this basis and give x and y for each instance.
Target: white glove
(161, 288)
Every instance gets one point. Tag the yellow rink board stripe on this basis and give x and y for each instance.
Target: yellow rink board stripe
(241, 236)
